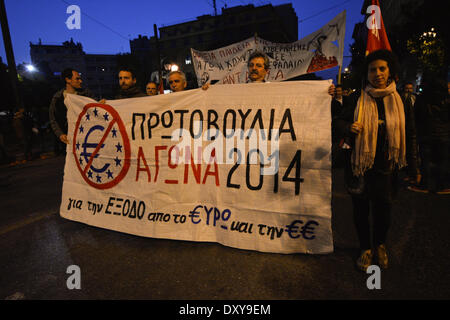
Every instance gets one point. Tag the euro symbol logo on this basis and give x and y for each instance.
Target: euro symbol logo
(101, 147)
(87, 145)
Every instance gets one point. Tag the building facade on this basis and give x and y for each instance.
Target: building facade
(99, 71)
(208, 32)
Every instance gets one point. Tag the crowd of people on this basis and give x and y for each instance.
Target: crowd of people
(377, 132)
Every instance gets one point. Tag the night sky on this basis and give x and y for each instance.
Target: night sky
(107, 26)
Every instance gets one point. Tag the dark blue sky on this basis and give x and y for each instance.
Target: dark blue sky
(107, 26)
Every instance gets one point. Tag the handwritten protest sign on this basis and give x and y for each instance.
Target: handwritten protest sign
(320, 50)
(245, 165)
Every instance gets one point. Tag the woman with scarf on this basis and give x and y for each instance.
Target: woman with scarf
(374, 125)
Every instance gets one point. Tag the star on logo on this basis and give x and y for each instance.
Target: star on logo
(98, 134)
(110, 174)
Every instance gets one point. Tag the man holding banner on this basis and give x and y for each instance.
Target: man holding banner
(58, 110)
(177, 81)
(127, 84)
(258, 66)
(315, 52)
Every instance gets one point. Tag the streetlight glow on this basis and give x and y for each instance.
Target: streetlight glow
(30, 68)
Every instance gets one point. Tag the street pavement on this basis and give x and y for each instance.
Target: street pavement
(37, 247)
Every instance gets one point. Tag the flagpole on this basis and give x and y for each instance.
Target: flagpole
(339, 74)
(158, 54)
(361, 98)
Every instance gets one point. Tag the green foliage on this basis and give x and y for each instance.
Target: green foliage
(429, 51)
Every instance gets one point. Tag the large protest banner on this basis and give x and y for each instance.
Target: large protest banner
(244, 165)
(318, 51)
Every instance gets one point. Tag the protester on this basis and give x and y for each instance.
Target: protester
(378, 140)
(433, 124)
(177, 81)
(24, 123)
(408, 99)
(258, 65)
(58, 110)
(151, 88)
(128, 86)
(158, 76)
(408, 92)
(338, 146)
(337, 102)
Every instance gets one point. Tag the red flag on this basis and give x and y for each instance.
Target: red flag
(376, 37)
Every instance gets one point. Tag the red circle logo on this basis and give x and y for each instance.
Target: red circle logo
(101, 146)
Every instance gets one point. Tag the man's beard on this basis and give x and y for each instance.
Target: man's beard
(254, 75)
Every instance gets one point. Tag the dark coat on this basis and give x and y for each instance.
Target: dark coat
(132, 92)
(344, 121)
(58, 111)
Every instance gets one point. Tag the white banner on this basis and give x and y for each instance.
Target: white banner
(316, 52)
(247, 166)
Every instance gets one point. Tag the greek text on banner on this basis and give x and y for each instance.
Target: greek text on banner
(247, 166)
(315, 52)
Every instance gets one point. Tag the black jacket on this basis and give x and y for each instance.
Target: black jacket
(132, 92)
(344, 121)
(58, 111)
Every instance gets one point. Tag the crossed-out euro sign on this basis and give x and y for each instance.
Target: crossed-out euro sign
(101, 146)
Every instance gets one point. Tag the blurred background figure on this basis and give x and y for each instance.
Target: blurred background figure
(433, 133)
(151, 89)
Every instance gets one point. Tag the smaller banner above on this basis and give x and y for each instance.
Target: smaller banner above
(320, 50)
